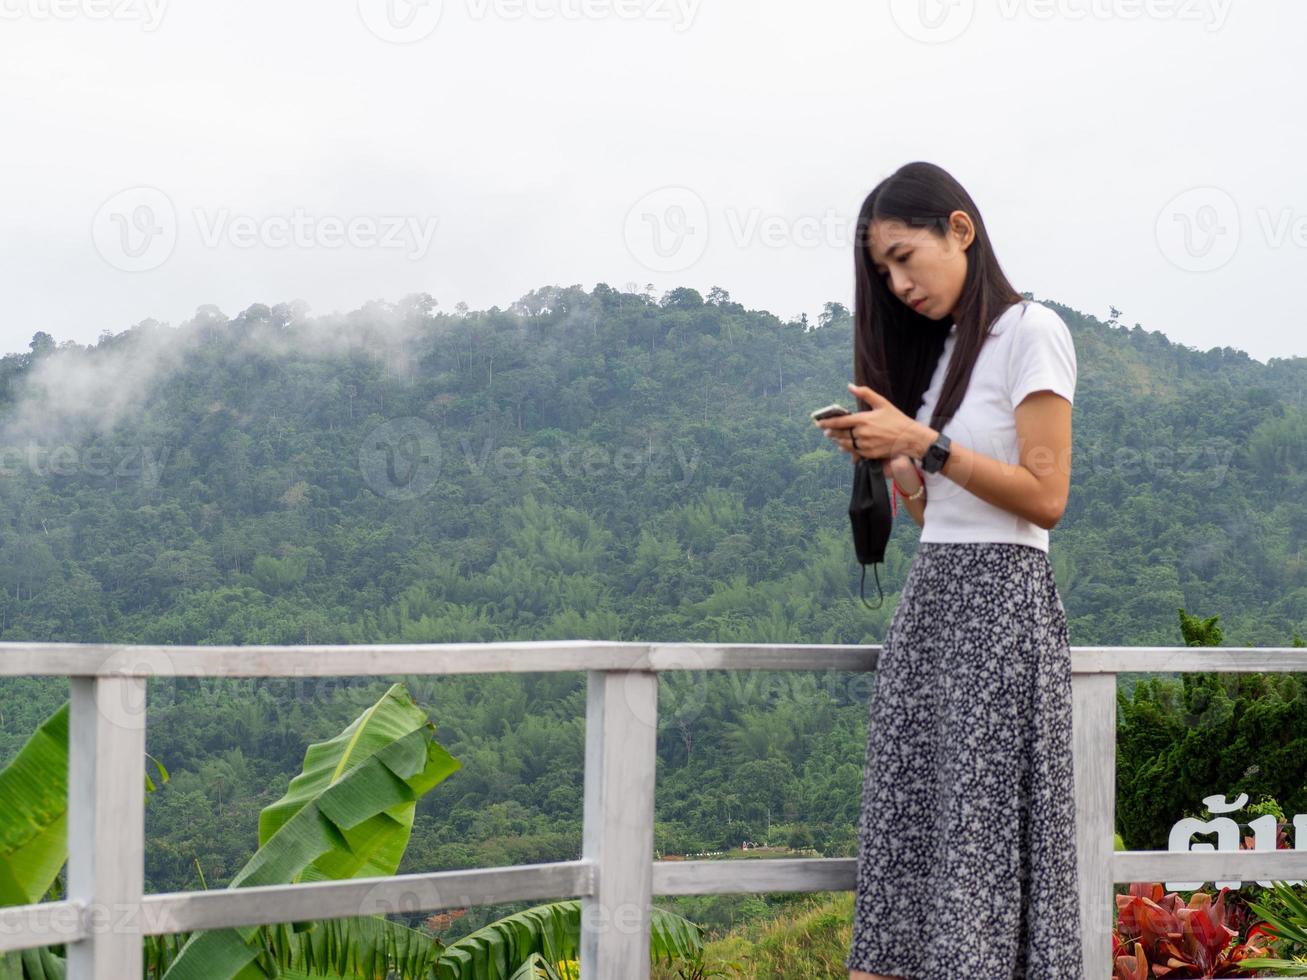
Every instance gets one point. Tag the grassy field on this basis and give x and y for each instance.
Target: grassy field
(810, 942)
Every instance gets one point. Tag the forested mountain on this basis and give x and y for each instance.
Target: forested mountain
(598, 465)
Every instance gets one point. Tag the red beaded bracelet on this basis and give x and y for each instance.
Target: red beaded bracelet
(894, 495)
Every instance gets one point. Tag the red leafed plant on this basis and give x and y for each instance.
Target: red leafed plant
(1158, 935)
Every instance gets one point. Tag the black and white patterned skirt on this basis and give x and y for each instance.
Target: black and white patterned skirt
(967, 839)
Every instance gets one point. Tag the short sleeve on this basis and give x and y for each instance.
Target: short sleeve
(1043, 356)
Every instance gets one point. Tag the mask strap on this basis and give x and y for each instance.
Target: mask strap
(875, 572)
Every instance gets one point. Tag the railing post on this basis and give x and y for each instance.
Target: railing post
(1094, 711)
(106, 824)
(620, 761)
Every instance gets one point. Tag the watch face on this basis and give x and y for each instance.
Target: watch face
(936, 455)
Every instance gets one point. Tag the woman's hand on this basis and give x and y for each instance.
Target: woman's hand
(882, 433)
(904, 471)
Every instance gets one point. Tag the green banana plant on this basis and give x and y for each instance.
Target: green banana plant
(321, 805)
(34, 814)
(551, 934)
(537, 967)
(33, 836)
(348, 814)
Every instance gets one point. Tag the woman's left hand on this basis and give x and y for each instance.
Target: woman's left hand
(882, 432)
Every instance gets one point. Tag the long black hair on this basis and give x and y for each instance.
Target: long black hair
(895, 348)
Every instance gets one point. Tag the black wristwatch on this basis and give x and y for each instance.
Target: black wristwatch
(936, 455)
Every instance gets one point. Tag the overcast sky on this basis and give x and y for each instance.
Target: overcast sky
(159, 156)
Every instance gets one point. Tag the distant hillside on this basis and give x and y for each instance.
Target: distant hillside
(249, 479)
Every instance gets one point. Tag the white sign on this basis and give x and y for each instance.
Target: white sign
(1229, 837)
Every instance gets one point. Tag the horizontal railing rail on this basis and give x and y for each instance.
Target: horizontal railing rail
(538, 656)
(106, 911)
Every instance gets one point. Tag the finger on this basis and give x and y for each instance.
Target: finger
(873, 398)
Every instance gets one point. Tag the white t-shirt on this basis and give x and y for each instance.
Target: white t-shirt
(1030, 350)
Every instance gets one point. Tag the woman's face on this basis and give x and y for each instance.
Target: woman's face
(924, 270)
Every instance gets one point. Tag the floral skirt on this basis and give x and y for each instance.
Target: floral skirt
(967, 837)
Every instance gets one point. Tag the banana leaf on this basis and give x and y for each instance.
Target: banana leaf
(349, 814)
(366, 946)
(31, 964)
(375, 847)
(500, 950)
(537, 968)
(34, 814)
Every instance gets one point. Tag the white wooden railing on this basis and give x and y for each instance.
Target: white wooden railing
(106, 913)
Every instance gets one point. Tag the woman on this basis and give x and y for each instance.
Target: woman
(967, 847)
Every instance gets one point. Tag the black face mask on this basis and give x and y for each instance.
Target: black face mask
(869, 513)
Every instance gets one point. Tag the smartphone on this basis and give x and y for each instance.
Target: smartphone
(829, 412)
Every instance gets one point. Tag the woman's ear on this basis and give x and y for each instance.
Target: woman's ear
(961, 226)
